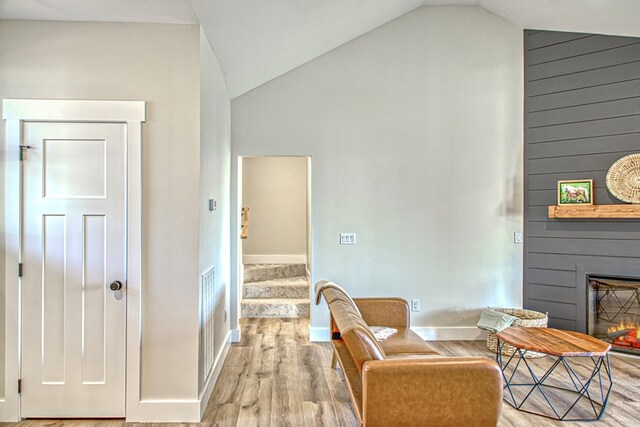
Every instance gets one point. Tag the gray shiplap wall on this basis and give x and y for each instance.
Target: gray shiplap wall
(582, 113)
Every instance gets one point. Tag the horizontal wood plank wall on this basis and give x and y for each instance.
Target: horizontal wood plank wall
(582, 113)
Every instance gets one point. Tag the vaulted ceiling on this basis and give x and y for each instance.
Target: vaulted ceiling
(258, 40)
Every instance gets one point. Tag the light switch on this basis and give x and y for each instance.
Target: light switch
(517, 237)
(347, 238)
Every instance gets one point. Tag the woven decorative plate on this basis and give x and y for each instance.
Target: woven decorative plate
(623, 178)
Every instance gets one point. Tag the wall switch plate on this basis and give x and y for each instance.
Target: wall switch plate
(347, 238)
(517, 237)
(415, 305)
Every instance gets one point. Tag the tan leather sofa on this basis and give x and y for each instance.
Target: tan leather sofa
(402, 381)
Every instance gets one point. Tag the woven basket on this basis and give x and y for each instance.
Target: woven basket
(528, 318)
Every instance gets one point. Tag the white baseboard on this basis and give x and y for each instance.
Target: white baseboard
(235, 335)
(213, 377)
(319, 334)
(274, 259)
(179, 411)
(7, 412)
(450, 333)
(165, 411)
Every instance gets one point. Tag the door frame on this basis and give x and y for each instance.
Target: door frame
(237, 261)
(15, 113)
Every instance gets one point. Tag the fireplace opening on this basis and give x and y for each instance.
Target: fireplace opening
(613, 312)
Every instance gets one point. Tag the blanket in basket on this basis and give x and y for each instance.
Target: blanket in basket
(494, 321)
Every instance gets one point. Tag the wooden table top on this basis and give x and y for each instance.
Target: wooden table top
(555, 342)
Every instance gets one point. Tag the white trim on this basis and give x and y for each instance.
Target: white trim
(16, 111)
(450, 333)
(235, 335)
(47, 110)
(215, 373)
(134, 271)
(274, 259)
(160, 411)
(237, 267)
(10, 407)
(186, 411)
(319, 334)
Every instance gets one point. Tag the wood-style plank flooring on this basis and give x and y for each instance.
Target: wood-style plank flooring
(623, 409)
(276, 377)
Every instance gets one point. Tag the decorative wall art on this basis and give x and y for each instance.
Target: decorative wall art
(575, 192)
(623, 179)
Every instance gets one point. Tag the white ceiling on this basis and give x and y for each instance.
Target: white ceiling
(620, 17)
(258, 40)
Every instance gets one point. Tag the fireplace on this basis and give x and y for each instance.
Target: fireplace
(613, 311)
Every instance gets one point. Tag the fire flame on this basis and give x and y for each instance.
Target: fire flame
(627, 324)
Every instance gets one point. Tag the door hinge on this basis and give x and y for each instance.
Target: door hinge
(23, 151)
(19, 386)
(20, 270)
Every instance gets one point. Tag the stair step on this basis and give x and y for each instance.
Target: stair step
(287, 287)
(275, 307)
(263, 272)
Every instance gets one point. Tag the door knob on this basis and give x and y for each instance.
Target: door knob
(115, 286)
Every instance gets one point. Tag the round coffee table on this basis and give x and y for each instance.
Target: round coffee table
(581, 385)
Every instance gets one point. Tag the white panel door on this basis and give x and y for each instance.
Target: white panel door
(73, 249)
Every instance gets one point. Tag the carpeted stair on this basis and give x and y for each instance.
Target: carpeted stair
(275, 290)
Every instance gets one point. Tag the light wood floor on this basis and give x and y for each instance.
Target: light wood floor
(275, 377)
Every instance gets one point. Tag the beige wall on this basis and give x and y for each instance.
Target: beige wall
(215, 161)
(2, 252)
(275, 190)
(415, 133)
(157, 64)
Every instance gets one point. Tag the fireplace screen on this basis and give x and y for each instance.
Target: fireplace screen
(614, 312)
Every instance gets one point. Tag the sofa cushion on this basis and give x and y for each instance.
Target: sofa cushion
(430, 392)
(405, 342)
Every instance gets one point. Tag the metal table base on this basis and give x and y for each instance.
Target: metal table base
(593, 389)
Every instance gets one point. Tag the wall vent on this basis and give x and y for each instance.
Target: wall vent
(207, 310)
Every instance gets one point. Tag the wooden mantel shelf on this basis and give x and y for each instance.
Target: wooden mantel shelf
(594, 211)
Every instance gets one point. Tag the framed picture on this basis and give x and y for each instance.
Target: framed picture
(577, 192)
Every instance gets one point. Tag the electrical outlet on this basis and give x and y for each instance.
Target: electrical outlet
(415, 305)
(347, 238)
(517, 237)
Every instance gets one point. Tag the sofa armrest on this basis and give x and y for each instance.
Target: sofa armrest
(442, 392)
(390, 312)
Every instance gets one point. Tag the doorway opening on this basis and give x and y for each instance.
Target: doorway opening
(275, 238)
